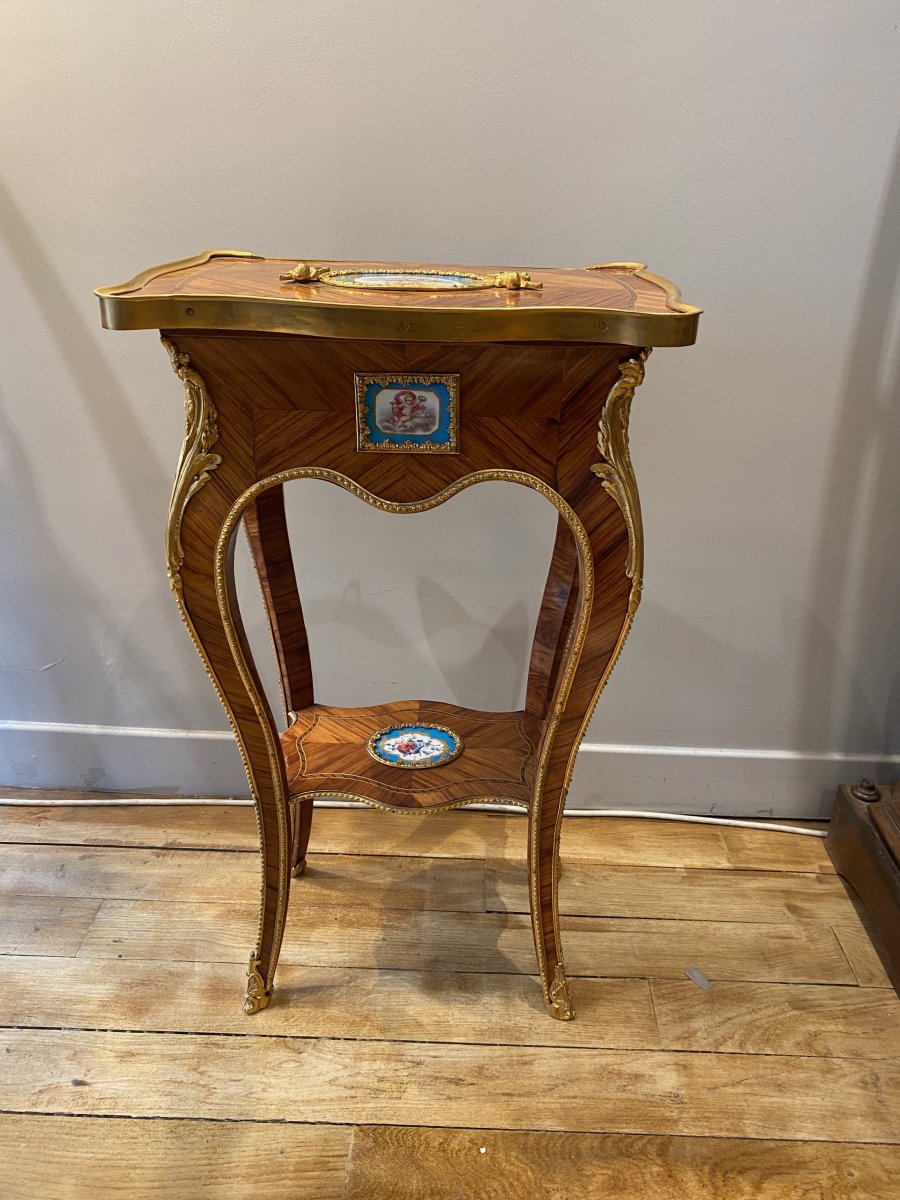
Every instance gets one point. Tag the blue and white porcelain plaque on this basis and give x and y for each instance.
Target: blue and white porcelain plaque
(431, 281)
(414, 745)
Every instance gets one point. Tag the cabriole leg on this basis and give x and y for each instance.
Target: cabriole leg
(267, 533)
(200, 541)
(576, 646)
(300, 830)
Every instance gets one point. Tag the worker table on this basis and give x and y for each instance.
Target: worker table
(404, 384)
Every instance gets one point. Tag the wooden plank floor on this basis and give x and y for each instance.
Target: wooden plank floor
(406, 1053)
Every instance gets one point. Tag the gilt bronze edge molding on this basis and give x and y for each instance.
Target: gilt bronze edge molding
(599, 326)
(178, 264)
(672, 291)
(121, 309)
(404, 811)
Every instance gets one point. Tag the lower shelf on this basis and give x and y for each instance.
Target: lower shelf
(325, 754)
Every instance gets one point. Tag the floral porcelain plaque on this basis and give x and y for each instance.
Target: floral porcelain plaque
(414, 745)
(408, 412)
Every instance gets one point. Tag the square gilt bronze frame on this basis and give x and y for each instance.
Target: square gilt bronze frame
(363, 441)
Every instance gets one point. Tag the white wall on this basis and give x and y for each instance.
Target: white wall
(743, 150)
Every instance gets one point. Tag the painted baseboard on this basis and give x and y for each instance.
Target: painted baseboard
(679, 779)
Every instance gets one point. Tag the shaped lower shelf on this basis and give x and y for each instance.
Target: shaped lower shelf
(326, 754)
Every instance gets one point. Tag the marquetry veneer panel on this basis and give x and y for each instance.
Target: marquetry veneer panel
(325, 752)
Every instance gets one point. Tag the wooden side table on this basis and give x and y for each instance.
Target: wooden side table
(404, 385)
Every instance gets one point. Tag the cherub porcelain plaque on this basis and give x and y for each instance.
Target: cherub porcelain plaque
(408, 412)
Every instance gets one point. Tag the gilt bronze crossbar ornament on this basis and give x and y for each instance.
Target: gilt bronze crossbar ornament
(404, 384)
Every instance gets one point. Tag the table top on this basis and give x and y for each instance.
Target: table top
(619, 303)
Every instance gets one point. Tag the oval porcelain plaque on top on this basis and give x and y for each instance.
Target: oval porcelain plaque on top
(405, 280)
(409, 279)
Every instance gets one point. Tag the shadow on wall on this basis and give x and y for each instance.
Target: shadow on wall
(113, 424)
(37, 639)
(502, 658)
(490, 676)
(48, 601)
(856, 569)
(382, 628)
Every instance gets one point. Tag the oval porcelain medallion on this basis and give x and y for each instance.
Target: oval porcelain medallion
(407, 281)
(414, 745)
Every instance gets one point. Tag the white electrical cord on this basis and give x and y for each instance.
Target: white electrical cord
(738, 823)
(663, 816)
(166, 801)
